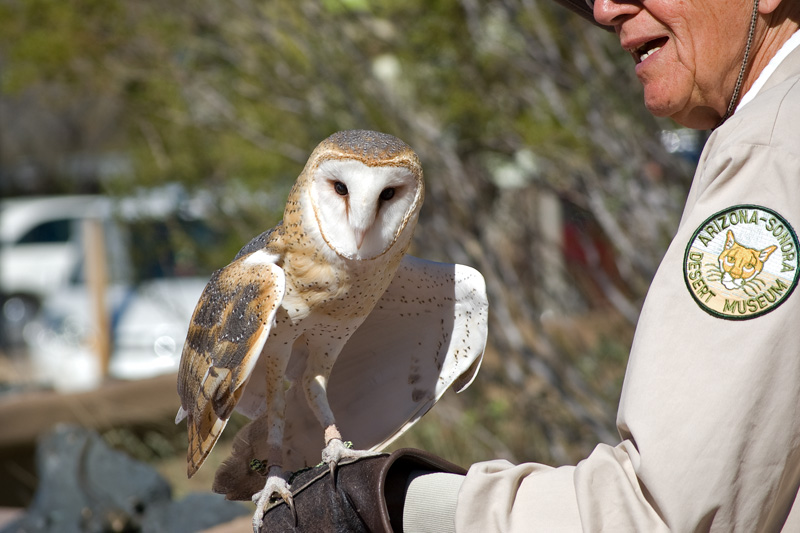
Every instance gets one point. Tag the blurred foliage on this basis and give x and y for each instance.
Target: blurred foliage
(517, 109)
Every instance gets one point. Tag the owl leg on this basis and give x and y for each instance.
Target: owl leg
(315, 382)
(275, 415)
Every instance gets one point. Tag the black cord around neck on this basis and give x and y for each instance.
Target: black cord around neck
(745, 62)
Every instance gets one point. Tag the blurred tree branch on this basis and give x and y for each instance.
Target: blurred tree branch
(511, 105)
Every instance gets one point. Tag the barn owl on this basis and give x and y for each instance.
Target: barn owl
(323, 326)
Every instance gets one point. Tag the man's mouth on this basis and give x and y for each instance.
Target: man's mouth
(649, 48)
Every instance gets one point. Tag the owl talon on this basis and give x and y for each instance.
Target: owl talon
(275, 485)
(290, 503)
(336, 450)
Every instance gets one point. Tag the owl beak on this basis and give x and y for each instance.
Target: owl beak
(361, 218)
(360, 234)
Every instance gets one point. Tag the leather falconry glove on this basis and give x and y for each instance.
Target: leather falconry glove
(363, 495)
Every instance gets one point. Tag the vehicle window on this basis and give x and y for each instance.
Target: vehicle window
(52, 231)
(171, 247)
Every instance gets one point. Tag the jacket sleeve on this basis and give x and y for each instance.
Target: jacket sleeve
(499, 496)
(710, 410)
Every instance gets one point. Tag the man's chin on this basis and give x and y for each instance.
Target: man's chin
(659, 106)
(694, 117)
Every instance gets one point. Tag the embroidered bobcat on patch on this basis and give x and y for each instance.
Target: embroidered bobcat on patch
(739, 266)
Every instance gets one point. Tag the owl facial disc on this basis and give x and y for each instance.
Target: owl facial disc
(362, 209)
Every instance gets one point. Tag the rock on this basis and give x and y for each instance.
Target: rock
(87, 487)
(193, 513)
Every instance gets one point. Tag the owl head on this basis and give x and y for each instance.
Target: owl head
(365, 189)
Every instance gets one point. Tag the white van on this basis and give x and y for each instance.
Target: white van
(40, 251)
(151, 292)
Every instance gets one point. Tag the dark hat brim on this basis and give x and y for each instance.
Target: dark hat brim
(582, 8)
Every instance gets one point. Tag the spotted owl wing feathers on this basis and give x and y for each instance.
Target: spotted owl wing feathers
(426, 334)
(226, 335)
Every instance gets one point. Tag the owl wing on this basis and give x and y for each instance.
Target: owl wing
(227, 332)
(426, 334)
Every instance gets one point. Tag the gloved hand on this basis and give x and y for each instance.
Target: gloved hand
(364, 495)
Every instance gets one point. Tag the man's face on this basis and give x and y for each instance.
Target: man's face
(687, 52)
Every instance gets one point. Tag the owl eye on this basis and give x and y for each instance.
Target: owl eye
(387, 194)
(340, 188)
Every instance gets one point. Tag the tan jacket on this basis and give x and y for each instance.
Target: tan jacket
(710, 407)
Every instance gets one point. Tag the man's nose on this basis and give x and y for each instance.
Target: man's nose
(614, 12)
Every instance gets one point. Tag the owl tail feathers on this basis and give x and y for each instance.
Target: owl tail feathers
(203, 434)
(243, 473)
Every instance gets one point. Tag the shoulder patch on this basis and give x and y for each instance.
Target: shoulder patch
(741, 262)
